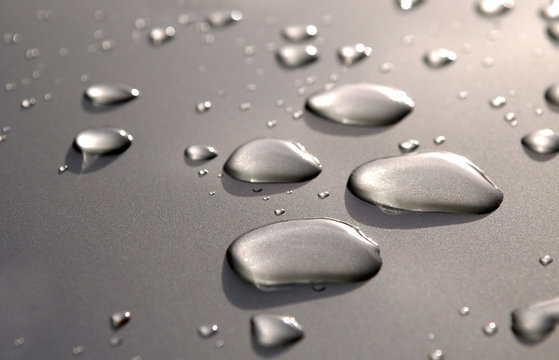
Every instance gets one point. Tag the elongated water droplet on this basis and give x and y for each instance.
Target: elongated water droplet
(350, 54)
(205, 331)
(498, 102)
(110, 94)
(439, 58)
(305, 251)
(223, 18)
(544, 141)
(551, 11)
(296, 33)
(464, 311)
(202, 172)
(102, 141)
(408, 145)
(436, 355)
(272, 161)
(546, 260)
(293, 56)
(361, 104)
(159, 35)
(62, 169)
(121, 318)
(408, 4)
(425, 182)
(439, 140)
(323, 195)
(536, 321)
(490, 329)
(272, 330)
(494, 7)
(200, 152)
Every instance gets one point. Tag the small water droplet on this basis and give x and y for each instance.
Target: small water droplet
(408, 146)
(6, 129)
(386, 67)
(202, 172)
(323, 194)
(211, 193)
(439, 140)
(431, 336)
(546, 260)
(32, 53)
(297, 115)
(408, 40)
(533, 323)
(78, 350)
(350, 54)
(257, 190)
(487, 62)
(62, 169)
(544, 141)
(119, 319)
(271, 123)
(510, 116)
(361, 104)
(25, 81)
(43, 15)
(245, 106)
(47, 96)
(494, 7)
(490, 329)
(219, 344)
(408, 4)
(200, 152)
(464, 311)
(27, 103)
(498, 102)
(538, 112)
(10, 86)
(296, 33)
(275, 330)
(266, 198)
(110, 94)
(159, 35)
(84, 78)
(142, 23)
(108, 45)
(293, 56)
(439, 58)
(436, 355)
(206, 331)
(63, 52)
(223, 18)
(513, 123)
(279, 212)
(102, 141)
(19, 341)
(115, 341)
(251, 87)
(203, 106)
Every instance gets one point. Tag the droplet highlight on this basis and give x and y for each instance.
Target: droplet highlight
(159, 35)
(494, 7)
(222, 18)
(206, 331)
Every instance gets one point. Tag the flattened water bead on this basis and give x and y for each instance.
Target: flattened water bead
(110, 94)
(308, 251)
(361, 104)
(425, 182)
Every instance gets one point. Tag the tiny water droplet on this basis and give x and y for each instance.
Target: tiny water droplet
(19, 341)
(386, 67)
(297, 115)
(439, 58)
(271, 123)
(78, 350)
(159, 35)
(323, 194)
(490, 329)
(47, 96)
(203, 106)
(533, 323)
(289, 192)
(546, 260)
(462, 95)
(538, 112)
(350, 54)
(110, 94)
(220, 175)
(6, 129)
(408, 146)
(257, 190)
(513, 123)
(108, 45)
(27, 103)
(279, 212)
(211, 193)
(439, 140)
(142, 23)
(510, 116)
(408, 4)
(63, 52)
(272, 330)
(544, 141)
(250, 50)
(32, 53)
(102, 141)
(119, 319)
(222, 18)
(186, 18)
(431, 336)
(251, 87)
(62, 169)
(436, 355)
(296, 33)
(206, 331)
(10, 86)
(115, 341)
(202, 172)
(293, 56)
(498, 102)
(464, 311)
(494, 7)
(266, 198)
(245, 106)
(200, 152)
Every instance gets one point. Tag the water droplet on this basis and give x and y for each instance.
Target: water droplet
(203, 106)
(361, 104)
(115, 341)
(272, 330)
(350, 54)
(251, 87)
(62, 169)
(431, 336)
(63, 52)
(288, 192)
(43, 15)
(200, 152)
(309, 251)
(266, 198)
(211, 193)
(490, 329)
(464, 311)
(271, 123)
(257, 189)
(159, 35)
(32, 53)
(223, 18)
(510, 116)
(442, 182)
(498, 102)
(293, 56)
(110, 94)
(6, 129)
(108, 45)
(102, 141)
(250, 50)
(78, 350)
(551, 11)
(25, 81)
(297, 115)
(494, 7)
(439, 58)
(546, 260)
(544, 141)
(408, 4)
(27, 103)
(47, 96)
(536, 321)
(386, 67)
(323, 194)
(408, 146)
(538, 112)
(408, 40)
(205, 331)
(439, 140)
(487, 62)
(202, 172)
(272, 161)
(19, 341)
(296, 33)
(279, 212)
(436, 355)
(119, 319)
(10, 86)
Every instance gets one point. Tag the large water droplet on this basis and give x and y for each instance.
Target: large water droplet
(159, 35)
(275, 330)
(361, 104)
(272, 161)
(494, 7)
(223, 18)
(102, 141)
(304, 252)
(109, 94)
(425, 182)
(293, 56)
(544, 141)
(408, 4)
(536, 321)
(298, 33)
(439, 58)
(121, 318)
(200, 152)
(350, 54)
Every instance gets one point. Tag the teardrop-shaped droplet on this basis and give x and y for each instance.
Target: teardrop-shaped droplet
(304, 251)
(223, 18)
(272, 161)
(109, 94)
(159, 35)
(200, 152)
(551, 11)
(552, 94)
(121, 318)
(350, 54)
(439, 58)
(296, 33)
(494, 7)
(536, 321)
(408, 146)
(408, 4)
(272, 330)
(361, 104)
(425, 182)
(544, 141)
(293, 56)
(102, 141)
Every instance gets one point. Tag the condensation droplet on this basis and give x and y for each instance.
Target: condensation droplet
(386, 67)
(271, 123)
(78, 350)
(202, 172)
(19, 341)
(544, 141)
(350, 54)
(436, 355)
(323, 194)
(27, 103)
(115, 341)
(408, 146)
(279, 212)
(272, 330)
(110, 94)
(490, 329)
(62, 169)
(498, 102)
(296, 33)
(159, 35)
(119, 319)
(203, 106)
(245, 106)
(200, 152)
(439, 58)
(222, 18)
(464, 311)
(293, 56)
(546, 260)
(206, 331)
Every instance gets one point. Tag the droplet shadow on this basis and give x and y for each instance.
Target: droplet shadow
(241, 188)
(78, 164)
(326, 126)
(246, 296)
(369, 214)
(269, 352)
(537, 156)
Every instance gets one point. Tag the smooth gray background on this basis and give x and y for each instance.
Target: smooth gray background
(142, 234)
